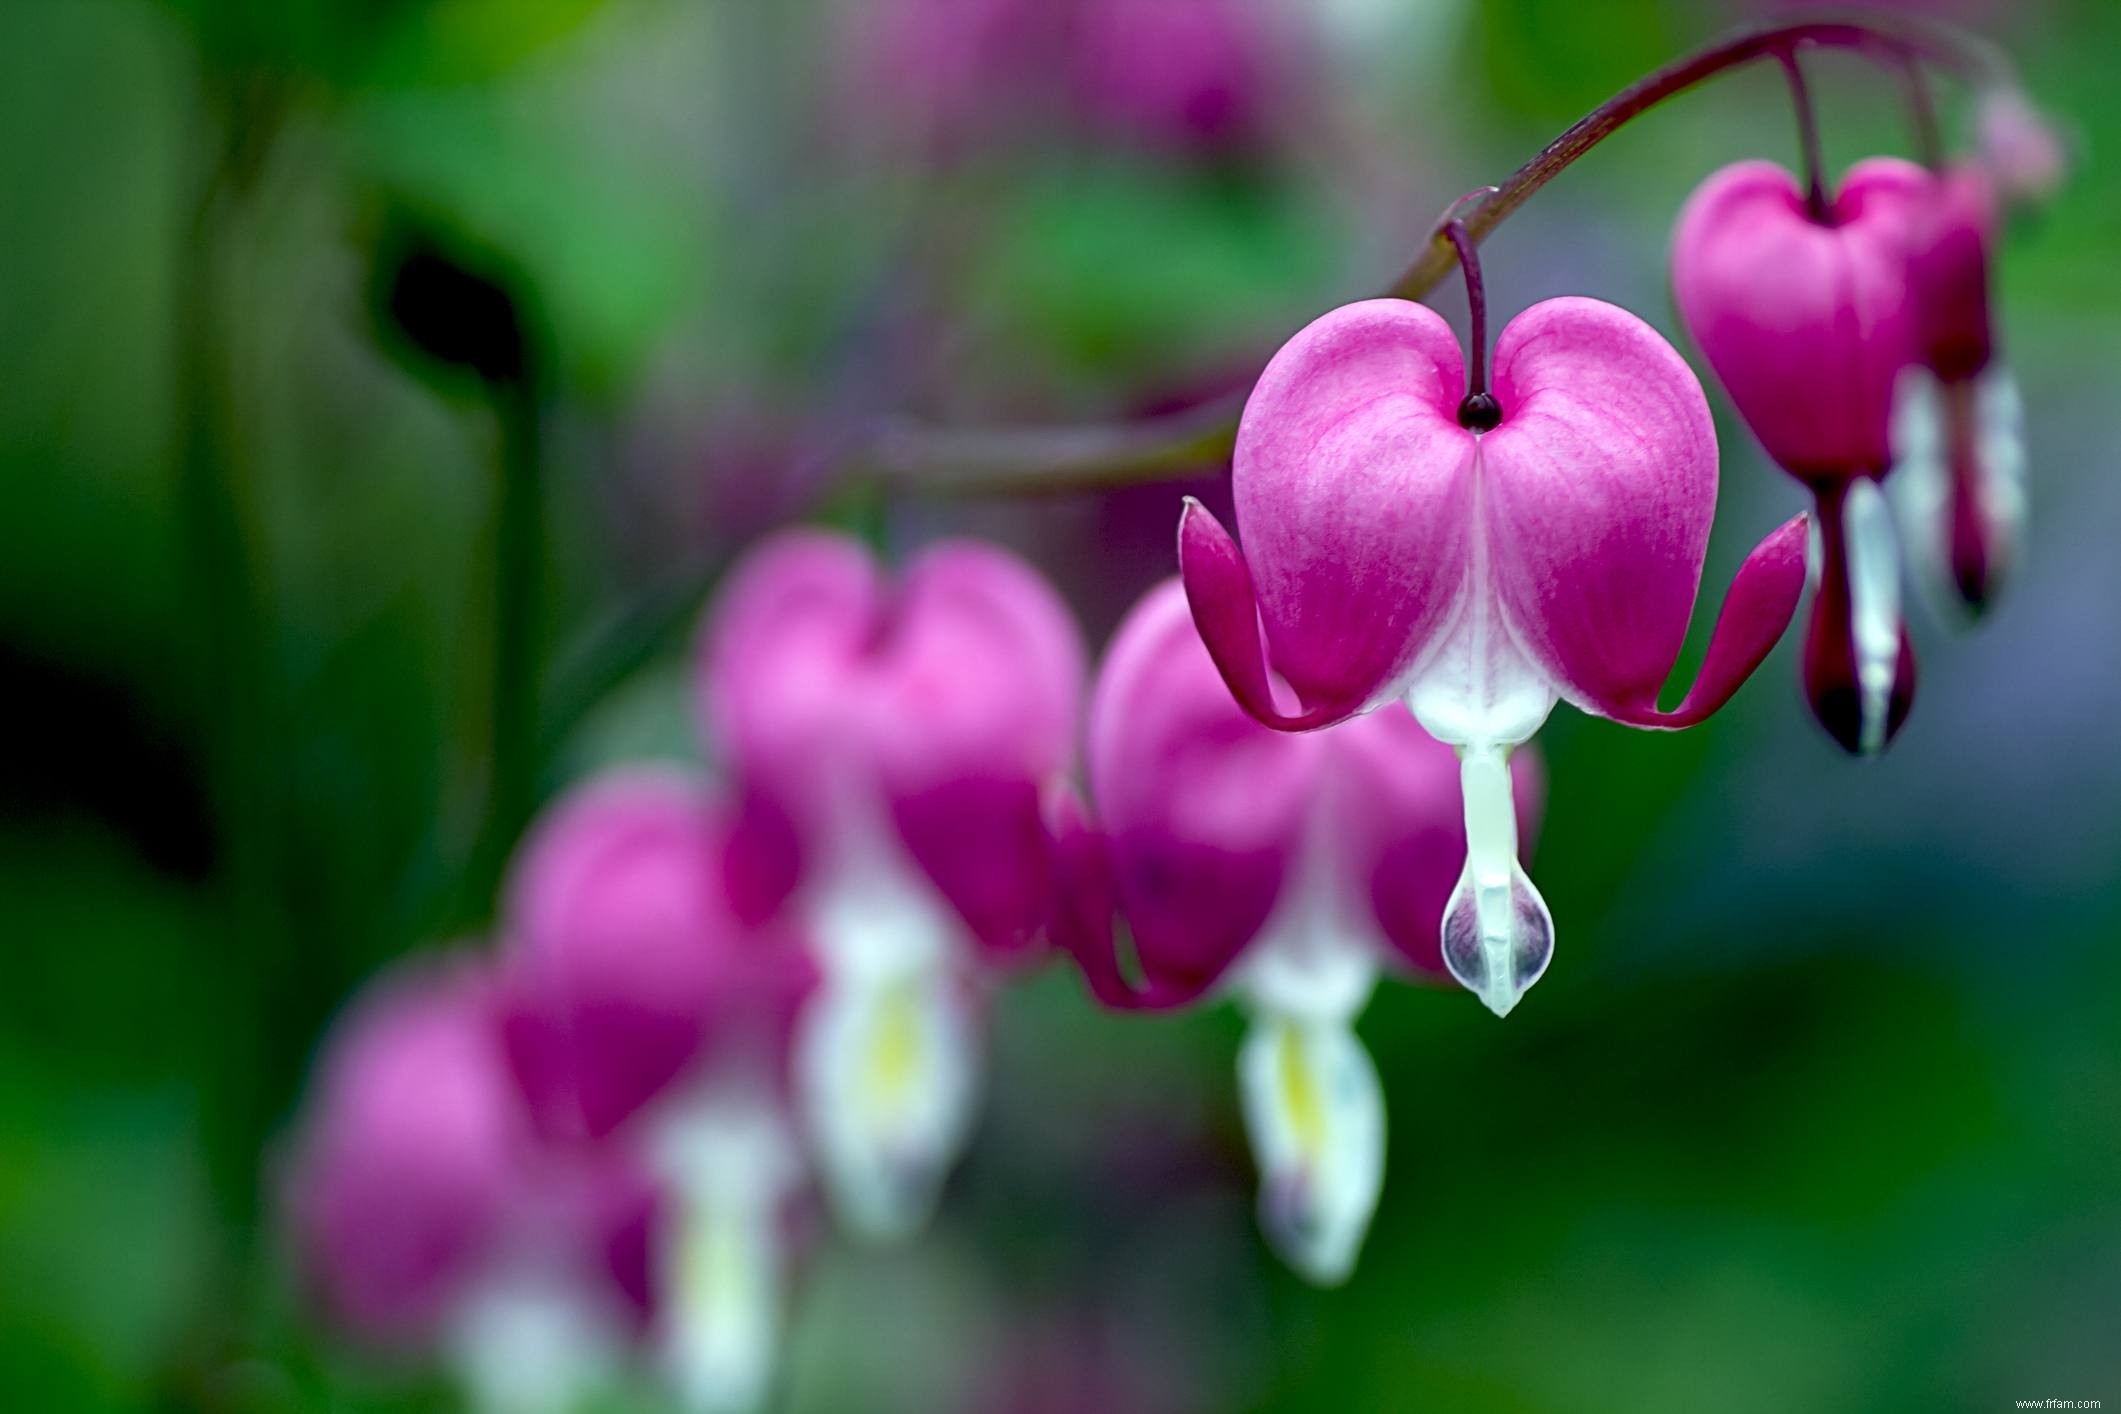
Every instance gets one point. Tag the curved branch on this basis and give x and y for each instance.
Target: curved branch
(915, 458)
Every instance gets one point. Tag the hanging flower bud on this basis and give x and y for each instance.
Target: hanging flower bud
(428, 1220)
(1807, 322)
(892, 746)
(1291, 868)
(1478, 557)
(1957, 417)
(642, 1012)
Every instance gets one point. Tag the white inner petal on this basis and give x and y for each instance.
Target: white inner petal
(1921, 481)
(2000, 416)
(1874, 605)
(530, 1338)
(728, 1167)
(1498, 936)
(1315, 1112)
(1315, 958)
(1479, 691)
(887, 1071)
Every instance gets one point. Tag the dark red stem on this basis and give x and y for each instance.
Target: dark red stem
(1815, 202)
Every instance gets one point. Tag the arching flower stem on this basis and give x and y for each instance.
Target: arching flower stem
(919, 459)
(1815, 202)
(1479, 412)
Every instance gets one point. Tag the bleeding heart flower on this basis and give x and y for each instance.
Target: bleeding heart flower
(1957, 417)
(892, 746)
(1478, 558)
(643, 1013)
(1807, 320)
(1292, 867)
(430, 1220)
(626, 967)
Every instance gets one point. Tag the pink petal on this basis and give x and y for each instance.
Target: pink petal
(1084, 921)
(1203, 810)
(975, 715)
(624, 958)
(1805, 324)
(1600, 486)
(779, 653)
(1353, 491)
(1218, 587)
(1756, 611)
(1948, 273)
(411, 1151)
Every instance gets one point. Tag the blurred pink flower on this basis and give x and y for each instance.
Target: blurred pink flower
(1186, 74)
(1192, 76)
(427, 1217)
(643, 1014)
(1479, 564)
(891, 745)
(628, 975)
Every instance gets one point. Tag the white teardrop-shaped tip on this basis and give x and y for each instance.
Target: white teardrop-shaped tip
(889, 1081)
(1497, 936)
(1315, 1113)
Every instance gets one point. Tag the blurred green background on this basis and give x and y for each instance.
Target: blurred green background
(1818, 1109)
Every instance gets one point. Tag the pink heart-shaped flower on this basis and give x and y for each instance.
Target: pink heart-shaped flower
(935, 712)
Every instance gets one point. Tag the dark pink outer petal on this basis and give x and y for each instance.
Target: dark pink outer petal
(979, 712)
(1399, 825)
(1600, 489)
(624, 959)
(1218, 588)
(1353, 487)
(1948, 273)
(1756, 610)
(1202, 809)
(1805, 324)
(410, 1152)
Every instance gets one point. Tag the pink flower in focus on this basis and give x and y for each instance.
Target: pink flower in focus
(1478, 559)
(892, 744)
(1291, 867)
(1807, 323)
